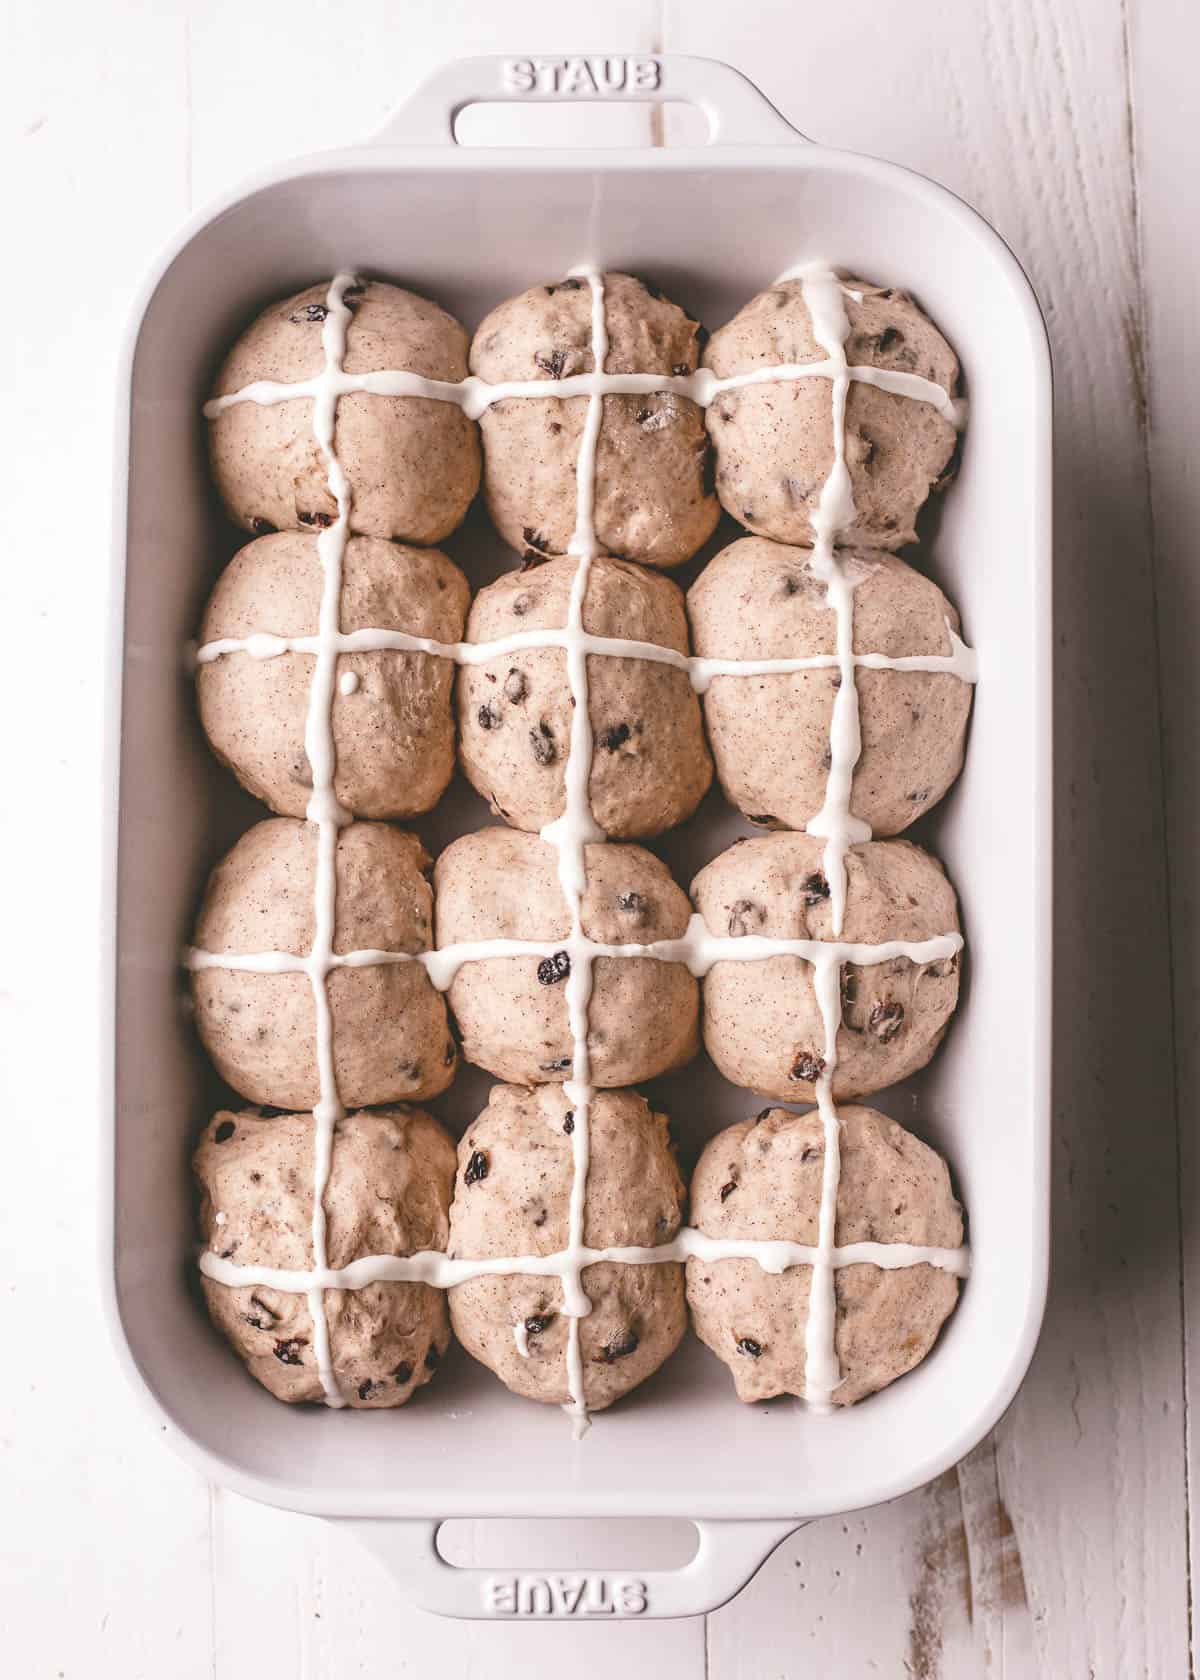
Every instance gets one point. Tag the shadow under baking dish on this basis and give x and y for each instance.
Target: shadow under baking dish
(470, 229)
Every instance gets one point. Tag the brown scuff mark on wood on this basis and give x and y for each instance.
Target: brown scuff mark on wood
(997, 1572)
(943, 1577)
(1135, 353)
(1012, 1574)
(924, 1660)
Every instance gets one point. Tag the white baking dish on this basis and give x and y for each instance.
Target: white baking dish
(712, 225)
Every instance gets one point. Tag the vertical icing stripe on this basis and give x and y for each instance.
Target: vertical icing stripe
(824, 298)
(571, 834)
(324, 809)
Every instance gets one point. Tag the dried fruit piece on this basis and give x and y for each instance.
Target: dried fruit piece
(808, 1067)
(262, 1318)
(744, 916)
(477, 1168)
(553, 969)
(615, 737)
(620, 1347)
(553, 364)
(886, 1020)
(541, 740)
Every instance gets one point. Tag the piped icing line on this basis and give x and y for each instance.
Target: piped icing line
(960, 662)
(824, 299)
(576, 828)
(698, 949)
(822, 1371)
(701, 950)
(570, 835)
(475, 395)
(442, 1271)
(324, 809)
(834, 514)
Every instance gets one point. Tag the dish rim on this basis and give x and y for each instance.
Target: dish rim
(376, 157)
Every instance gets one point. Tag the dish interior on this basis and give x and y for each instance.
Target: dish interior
(469, 232)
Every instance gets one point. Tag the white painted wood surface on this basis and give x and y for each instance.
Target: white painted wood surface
(1060, 1547)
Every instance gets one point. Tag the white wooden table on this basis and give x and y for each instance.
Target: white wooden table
(1060, 1548)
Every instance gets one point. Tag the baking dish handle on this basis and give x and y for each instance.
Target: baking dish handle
(738, 113)
(729, 1555)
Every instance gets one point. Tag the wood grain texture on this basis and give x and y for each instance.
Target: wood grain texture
(1025, 111)
(104, 1562)
(1168, 205)
(1059, 1548)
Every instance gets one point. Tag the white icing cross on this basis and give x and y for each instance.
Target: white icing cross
(576, 828)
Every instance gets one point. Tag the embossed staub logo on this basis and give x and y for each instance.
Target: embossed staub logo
(564, 1595)
(581, 76)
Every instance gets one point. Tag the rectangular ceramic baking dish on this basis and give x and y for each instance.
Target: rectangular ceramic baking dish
(712, 224)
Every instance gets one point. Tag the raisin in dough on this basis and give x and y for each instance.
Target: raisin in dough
(390, 1035)
(650, 764)
(770, 733)
(388, 1192)
(412, 462)
(654, 499)
(512, 1010)
(512, 1196)
(774, 441)
(762, 1022)
(393, 731)
(761, 1180)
